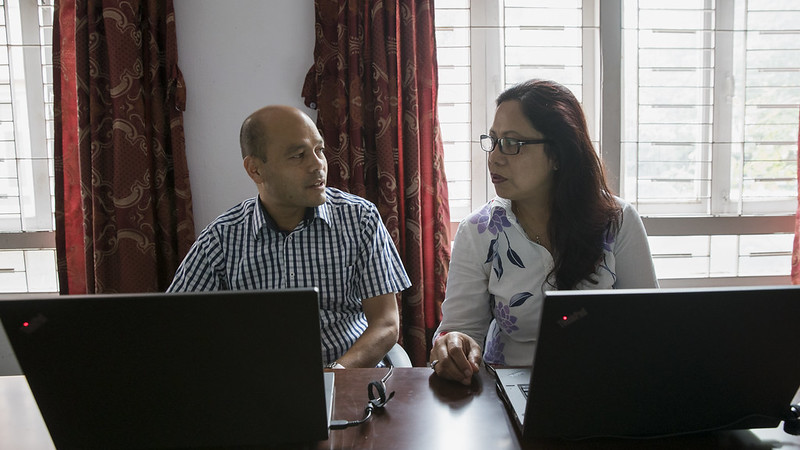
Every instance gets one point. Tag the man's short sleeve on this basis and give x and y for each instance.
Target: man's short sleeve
(380, 267)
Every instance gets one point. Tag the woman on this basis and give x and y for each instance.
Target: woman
(553, 225)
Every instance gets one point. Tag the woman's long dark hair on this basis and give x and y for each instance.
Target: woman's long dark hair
(583, 209)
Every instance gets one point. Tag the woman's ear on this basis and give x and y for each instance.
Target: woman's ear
(554, 165)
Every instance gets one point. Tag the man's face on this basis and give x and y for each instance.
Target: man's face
(294, 173)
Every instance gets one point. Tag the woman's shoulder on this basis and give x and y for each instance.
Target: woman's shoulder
(491, 214)
(631, 221)
(627, 209)
(497, 205)
(621, 202)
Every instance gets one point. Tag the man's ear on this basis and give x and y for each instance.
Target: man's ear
(253, 168)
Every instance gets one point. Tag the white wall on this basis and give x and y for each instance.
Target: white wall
(236, 56)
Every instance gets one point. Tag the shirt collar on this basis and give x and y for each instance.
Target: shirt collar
(500, 202)
(262, 219)
(323, 212)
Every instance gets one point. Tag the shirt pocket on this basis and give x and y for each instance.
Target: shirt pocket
(338, 289)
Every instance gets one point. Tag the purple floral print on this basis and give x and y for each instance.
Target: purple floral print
(494, 351)
(505, 320)
(608, 240)
(495, 224)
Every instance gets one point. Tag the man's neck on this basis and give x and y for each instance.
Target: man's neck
(284, 219)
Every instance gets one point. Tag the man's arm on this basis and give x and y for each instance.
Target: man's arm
(383, 328)
(196, 271)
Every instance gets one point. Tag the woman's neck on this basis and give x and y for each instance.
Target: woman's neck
(534, 218)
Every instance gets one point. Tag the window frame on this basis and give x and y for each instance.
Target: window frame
(27, 47)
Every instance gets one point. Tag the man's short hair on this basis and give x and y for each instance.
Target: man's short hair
(253, 138)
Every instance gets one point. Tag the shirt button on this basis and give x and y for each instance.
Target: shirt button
(291, 274)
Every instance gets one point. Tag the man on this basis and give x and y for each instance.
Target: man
(299, 233)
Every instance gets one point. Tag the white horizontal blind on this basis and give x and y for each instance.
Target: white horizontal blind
(544, 39)
(26, 144)
(770, 102)
(555, 40)
(721, 256)
(710, 111)
(510, 41)
(453, 44)
(668, 49)
(711, 94)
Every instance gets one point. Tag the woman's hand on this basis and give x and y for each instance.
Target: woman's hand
(456, 356)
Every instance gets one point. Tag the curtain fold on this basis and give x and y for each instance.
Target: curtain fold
(374, 85)
(796, 248)
(123, 203)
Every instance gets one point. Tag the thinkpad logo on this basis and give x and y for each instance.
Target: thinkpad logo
(28, 327)
(565, 320)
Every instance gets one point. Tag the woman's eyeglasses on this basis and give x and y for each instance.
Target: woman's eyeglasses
(508, 146)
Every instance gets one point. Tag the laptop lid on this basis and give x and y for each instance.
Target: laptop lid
(174, 370)
(661, 362)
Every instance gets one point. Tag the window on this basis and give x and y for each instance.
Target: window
(509, 41)
(697, 121)
(27, 254)
(710, 110)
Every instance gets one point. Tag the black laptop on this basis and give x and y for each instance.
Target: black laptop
(659, 363)
(216, 369)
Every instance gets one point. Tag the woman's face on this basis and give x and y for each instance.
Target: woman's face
(528, 175)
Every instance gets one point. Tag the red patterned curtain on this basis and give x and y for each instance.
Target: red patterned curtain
(796, 250)
(123, 203)
(374, 84)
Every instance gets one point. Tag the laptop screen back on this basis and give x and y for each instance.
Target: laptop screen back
(664, 361)
(173, 370)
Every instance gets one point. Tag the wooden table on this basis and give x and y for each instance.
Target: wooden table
(429, 412)
(426, 413)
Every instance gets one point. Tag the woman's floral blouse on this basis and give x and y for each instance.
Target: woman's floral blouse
(496, 283)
